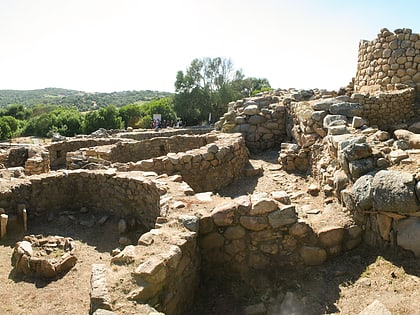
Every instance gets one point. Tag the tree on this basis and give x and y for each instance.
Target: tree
(107, 118)
(131, 115)
(66, 121)
(208, 85)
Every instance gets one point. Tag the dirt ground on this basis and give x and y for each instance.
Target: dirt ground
(344, 285)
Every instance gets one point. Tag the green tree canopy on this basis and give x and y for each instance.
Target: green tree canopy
(66, 121)
(208, 85)
(107, 118)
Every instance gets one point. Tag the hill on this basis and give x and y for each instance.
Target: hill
(82, 100)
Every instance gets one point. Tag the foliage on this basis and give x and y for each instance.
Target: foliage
(163, 106)
(17, 111)
(131, 115)
(65, 121)
(83, 101)
(8, 127)
(107, 118)
(208, 85)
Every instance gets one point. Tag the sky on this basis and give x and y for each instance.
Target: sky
(119, 45)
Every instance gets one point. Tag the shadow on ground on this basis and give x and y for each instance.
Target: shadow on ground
(316, 290)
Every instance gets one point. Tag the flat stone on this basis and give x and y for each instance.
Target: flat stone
(152, 270)
(254, 223)
(330, 236)
(190, 222)
(281, 196)
(408, 234)
(99, 297)
(223, 215)
(126, 256)
(262, 205)
(234, 232)
(394, 191)
(375, 308)
(286, 215)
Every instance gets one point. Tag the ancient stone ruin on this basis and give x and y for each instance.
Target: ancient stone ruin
(360, 146)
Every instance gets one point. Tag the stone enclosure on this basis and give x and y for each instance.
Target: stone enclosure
(362, 148)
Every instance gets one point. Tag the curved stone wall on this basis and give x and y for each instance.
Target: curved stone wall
(125, 194)
(393, 57)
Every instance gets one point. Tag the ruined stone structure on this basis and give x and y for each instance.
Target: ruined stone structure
(390, 65)
(154, 179)
(392, 58)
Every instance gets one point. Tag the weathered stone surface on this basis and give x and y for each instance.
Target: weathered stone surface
(357, 122)
(334, 120)
(330, 236)
(244, 204)
(126, 256)
(99, 296)
(262, 205)
(384, 225)
(313, 256)
(153, 271)
(251, 110)
(346, 109)
(223, 215)
(254, 223)
(358, 168)
(286, 215)
(398, 155)
(191, 222)
(408, 234)
(256, 119)
(357, 151)
(363, 192)
(234, 232)
(375, 308)
(300, 229)
(394, 191)
(281, 196)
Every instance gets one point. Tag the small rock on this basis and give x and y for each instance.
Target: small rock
(178, 205)
(313, 189)
(375, 308)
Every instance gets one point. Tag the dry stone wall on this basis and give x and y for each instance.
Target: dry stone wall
(260, 232)
(58, 150)
(261, 120)
(393, 57)
(126, 194)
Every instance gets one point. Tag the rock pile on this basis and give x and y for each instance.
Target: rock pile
(44, 256)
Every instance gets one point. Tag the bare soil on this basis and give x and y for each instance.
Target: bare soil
(343, 285)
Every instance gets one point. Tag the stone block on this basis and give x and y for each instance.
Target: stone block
(330, 236)
(254, 223)
(99, 296)
(262, 205)
(286, 215)
(152, 271)
(224, 215)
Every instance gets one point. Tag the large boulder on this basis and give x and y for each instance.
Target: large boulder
(408, 234)
(363, 192)
(394, 191)
(346, 109)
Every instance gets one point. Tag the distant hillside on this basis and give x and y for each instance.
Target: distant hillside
(82, 100)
